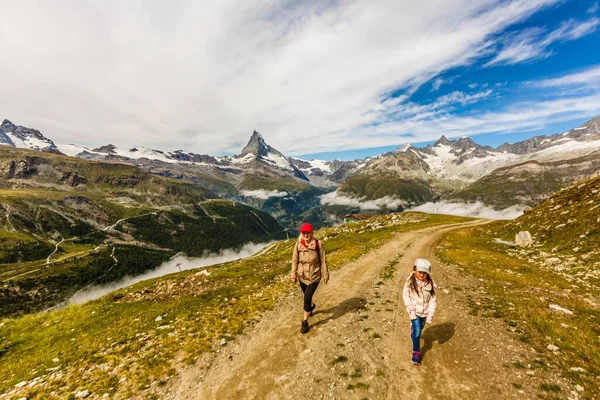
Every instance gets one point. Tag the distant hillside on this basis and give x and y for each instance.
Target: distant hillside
(521, 174)
(68, 222)
(529, 182)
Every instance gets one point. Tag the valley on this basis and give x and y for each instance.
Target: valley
(72, 223)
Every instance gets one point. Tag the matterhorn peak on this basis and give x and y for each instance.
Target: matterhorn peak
(256, 145)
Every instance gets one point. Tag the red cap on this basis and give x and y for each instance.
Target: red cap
(306, 227)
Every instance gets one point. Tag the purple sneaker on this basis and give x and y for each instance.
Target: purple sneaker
(416, 358)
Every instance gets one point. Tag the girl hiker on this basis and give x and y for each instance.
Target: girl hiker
(309, 267)
(420, 300)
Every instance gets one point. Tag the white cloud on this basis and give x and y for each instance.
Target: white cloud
(532, 44)
(474, 210)
(337, 199)
(428, 123)
(590, 76)
(442, 81)
(594, 8)
(263, 194)
(182, 74)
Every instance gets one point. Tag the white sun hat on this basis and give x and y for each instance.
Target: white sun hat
(423, 265)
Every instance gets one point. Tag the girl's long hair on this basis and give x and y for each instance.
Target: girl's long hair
(413, 282)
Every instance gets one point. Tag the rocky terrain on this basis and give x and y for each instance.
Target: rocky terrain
(520, 174)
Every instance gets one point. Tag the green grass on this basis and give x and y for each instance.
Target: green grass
(339, 359)
(358, 386)
(519, 292)
(549, 387)
(120, 331)
(356, 374)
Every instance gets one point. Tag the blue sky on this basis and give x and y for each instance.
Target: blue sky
(334, 79)
(512, 80)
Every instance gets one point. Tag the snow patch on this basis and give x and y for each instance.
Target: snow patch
(72, 149)
(278, 161)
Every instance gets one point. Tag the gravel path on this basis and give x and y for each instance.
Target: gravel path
(359, 346)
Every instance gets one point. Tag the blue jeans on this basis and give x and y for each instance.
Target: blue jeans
(416, 326)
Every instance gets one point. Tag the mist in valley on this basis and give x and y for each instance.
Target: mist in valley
(175, 264)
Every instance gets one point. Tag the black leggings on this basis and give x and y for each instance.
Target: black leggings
(308, 291)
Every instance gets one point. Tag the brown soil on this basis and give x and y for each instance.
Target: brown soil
(464, 356)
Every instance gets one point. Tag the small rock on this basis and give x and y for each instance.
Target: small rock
(530, 373)
(55, 360)
(223, 342)
(577, 369)
(552, 260)
(552, 347)
(21, 384)
(83, 394)
(524, 239)
(122, 380)
(559, 308)
(158, 319)
(564, 325)
(579, 388)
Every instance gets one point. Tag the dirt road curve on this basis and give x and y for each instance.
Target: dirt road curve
(361, 322)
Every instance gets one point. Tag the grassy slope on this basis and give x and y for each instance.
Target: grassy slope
(163, 216)
(118, 335)
(563, 268)
(381, 184)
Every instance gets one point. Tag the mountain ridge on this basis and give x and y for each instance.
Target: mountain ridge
(434, 170)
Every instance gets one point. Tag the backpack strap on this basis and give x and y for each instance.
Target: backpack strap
(318, 249)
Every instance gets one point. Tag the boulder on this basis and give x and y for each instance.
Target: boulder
(524, 239)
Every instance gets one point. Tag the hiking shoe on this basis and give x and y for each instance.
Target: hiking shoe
(416, 358)
(312, 309)
(304, 327)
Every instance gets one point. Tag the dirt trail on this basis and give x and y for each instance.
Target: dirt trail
(361, 322)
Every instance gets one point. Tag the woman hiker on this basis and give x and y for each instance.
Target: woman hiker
(309, 267)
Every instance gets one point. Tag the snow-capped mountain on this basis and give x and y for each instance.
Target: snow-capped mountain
(256, 154)
(328, 173)
(409, 174)
(413, 175)
(26, 138)
(461, 159)
(258, 151)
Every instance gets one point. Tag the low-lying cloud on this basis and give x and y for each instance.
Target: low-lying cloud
(173, 265)
(263, 194)
(474, 210)
(337, 199)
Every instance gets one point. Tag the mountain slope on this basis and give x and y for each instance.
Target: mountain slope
(529, 182)
(19, 136)
(66, 223)
(523, 173)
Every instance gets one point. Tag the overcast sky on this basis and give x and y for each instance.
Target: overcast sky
(310, 76)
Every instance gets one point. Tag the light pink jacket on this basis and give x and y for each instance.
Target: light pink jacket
(421, 304)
